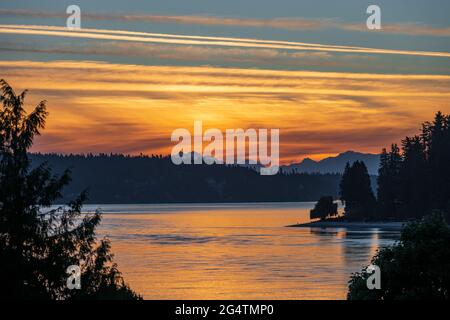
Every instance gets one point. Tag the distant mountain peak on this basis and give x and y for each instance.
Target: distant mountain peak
(308, 161)
(335, 164)
(349, 152)
(354, 153)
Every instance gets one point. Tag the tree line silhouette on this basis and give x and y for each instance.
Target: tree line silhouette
(117, 178)
(413, 180)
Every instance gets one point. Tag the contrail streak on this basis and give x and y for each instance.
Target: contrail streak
(120, 35)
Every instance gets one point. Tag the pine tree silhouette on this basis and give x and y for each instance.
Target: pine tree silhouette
(37, 244)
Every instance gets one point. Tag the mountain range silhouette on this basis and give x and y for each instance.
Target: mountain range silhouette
(335, 164)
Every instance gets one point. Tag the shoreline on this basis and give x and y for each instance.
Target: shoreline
(394, 226)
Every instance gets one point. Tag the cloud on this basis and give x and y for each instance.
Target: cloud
(413, 29)
(134, 108)
(278, 23)
(217, 55)
(144, 37)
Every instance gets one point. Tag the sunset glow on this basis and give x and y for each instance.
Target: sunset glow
(93, 104)
(125, 89)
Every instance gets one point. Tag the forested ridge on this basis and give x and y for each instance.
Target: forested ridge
(117, 178)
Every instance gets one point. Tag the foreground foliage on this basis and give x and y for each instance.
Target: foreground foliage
(38, 244)
(415, 268)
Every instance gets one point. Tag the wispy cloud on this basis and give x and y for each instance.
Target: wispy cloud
(218, 55)
(93, 104)
(413, 29)
(129, 36)
(280, 23)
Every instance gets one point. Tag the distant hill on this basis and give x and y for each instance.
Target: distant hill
(335, 164)
(155, 179)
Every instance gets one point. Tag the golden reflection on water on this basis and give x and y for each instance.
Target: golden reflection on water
(235, 252)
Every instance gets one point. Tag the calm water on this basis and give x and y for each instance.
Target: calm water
(234, 251)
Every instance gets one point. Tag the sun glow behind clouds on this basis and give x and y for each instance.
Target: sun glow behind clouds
(105, 107)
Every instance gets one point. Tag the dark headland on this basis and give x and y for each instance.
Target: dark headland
(385, 225)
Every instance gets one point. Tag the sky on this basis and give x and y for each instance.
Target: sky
(138, 70)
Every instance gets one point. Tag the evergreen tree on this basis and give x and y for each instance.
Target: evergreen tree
(417, 181)
(37, 244)
(414, 183)
(384, 195)
(387, 181)
(436, 137)
(356, 192)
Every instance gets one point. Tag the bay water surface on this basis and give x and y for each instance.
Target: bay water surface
(234, 251)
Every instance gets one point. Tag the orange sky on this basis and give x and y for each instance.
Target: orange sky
(105, 107)
(135, 71)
